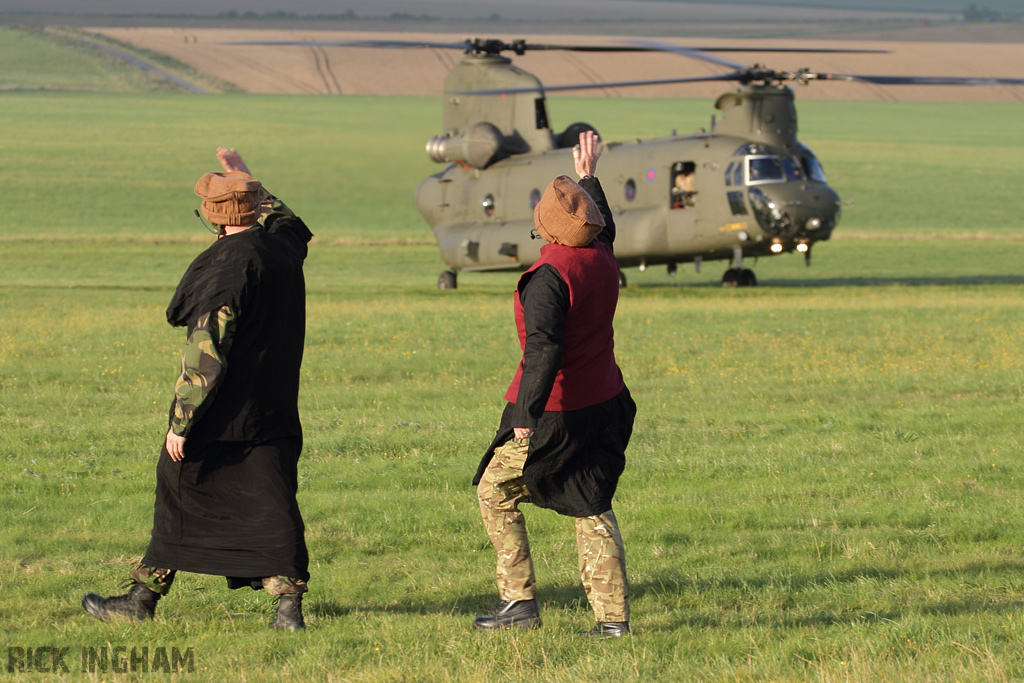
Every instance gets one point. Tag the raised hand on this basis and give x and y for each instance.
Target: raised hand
(586, 154)
(231, 160)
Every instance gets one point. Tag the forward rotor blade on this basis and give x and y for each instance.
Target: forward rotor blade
(795, 50)
(915, 80)
(687, 52)
(651, 46)
(597, 86)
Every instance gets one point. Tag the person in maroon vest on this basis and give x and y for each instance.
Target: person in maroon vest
(563, 434)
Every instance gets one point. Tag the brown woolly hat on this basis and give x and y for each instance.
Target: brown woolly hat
(230, 198)
(567, 215)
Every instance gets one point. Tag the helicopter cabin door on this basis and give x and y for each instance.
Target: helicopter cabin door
(683, 197)
(682, 191)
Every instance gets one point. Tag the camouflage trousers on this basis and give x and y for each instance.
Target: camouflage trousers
(159, 581)
(602, 557)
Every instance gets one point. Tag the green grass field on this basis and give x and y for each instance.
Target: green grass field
(824, 482)
(124, 165)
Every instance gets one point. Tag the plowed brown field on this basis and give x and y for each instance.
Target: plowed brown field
(421, 71)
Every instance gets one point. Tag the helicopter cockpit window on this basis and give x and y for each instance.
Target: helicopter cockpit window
(767, 169)
(813, 169)
(811, 165)
(793, 169)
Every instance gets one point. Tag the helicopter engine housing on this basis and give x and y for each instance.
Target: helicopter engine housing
(477, 146)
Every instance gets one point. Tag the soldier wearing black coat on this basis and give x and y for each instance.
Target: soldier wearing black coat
(227, 474)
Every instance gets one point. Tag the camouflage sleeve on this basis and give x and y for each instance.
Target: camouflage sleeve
(203, 363)
(272, 208)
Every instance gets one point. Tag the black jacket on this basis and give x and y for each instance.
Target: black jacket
(258, 274)
(576, 457)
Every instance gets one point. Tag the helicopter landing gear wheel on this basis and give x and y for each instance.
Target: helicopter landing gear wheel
(447, 280)
(622, 279)
(739, 277)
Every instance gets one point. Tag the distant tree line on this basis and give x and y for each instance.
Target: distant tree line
(280, 15)
(974, 13)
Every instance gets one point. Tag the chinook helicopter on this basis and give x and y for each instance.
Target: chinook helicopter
(746, 188)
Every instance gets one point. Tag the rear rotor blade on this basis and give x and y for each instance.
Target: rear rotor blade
(384, 44)
(738, 76)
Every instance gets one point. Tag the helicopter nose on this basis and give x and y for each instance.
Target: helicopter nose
(785, 212)
(822, 210)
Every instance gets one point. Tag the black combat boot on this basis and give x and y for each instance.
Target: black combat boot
(511, 614)
(289, 613)
(138, 603)
(609, 629)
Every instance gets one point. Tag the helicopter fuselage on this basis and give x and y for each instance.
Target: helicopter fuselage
(743, 198)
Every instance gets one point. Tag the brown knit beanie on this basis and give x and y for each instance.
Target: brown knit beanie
(567, 215)
(230, 198)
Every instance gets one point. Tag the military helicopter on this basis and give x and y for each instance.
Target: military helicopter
(746, 188)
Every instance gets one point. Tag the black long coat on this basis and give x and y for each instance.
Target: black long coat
(229, 508)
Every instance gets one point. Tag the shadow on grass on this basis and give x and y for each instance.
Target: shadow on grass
(570, 596)
(952, 281)
(551, 597)
(924, 281)
(673, 584)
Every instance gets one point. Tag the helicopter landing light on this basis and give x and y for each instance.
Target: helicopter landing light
(488, 204)
(802, 247)
(813, 224)
(777, 247)
(643, 266)
(742, 236)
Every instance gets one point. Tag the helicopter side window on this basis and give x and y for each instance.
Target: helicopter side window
(682, 191)
(792, 168)
(534, 198)
(542, 113)
(764, 170)
(813, 169)
(737, 175)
